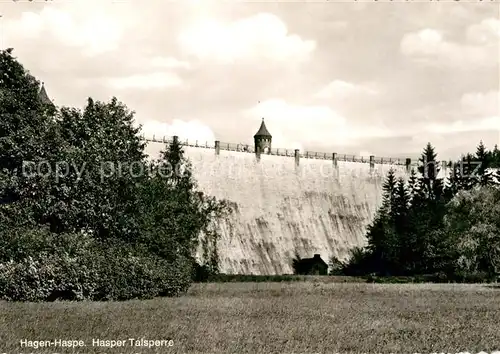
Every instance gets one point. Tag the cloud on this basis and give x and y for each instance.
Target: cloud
(263, 36)
(191, 130)
(479, 48)
(488, 123)
(326, 104)
(157, 80)
(310, 124)
(481, 103)
(339, 89)
(169, 63)
(456, 126)
(450, 144)
(285, 141)
(279, 110)
(478, 111)
(487, 31)
(94, 35)
(470, 106)
(424, 42)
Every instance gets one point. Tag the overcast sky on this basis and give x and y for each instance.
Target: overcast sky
(365, 78)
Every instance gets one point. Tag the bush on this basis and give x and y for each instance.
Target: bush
(76, 267)
(201, 273)
(359, 262)
(336, 266)
(46, 277)
(18, 243)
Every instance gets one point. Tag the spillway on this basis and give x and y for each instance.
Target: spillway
(280, 210)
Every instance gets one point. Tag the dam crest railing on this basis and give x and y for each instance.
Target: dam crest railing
(218, 145)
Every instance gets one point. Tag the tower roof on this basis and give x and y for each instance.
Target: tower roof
(43, 95)
(262, 130)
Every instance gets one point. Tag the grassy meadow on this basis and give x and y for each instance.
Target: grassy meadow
(287, 317)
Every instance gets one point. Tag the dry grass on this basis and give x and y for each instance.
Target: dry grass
(300, 317)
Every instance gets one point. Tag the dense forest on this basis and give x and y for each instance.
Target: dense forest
(84, 214)
(445, 227)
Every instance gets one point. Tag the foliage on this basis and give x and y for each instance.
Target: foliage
(359, 262)
(102, 222)
(171, 190)
(335, 266)
(427, 225)
(296, 261)
(38, 265)
(103, 142)
(473, 219)
(25, 126)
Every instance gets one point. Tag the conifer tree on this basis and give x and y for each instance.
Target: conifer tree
(429, 170)
(460, 176)
(412, 184)
(495, 164)
(467, 180)
(382, 238)
(483, 160)
(402, 205)
(495, 157)
(388, 190)
(425, 215)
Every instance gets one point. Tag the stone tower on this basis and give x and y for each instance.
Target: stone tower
(262, 140)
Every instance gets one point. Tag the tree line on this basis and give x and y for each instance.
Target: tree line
(429, 225)
(73, 225)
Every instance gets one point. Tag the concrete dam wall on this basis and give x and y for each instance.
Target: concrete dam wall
(280, 209)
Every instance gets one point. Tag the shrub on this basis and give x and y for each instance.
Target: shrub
(336, 266)
(76, 267)
(201, 272)
(46, 277)
(18, 243)
(359, 262)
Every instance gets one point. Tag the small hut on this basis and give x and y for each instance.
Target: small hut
(311, 266)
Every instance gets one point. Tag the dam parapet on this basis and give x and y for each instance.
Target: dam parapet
(218, 146)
